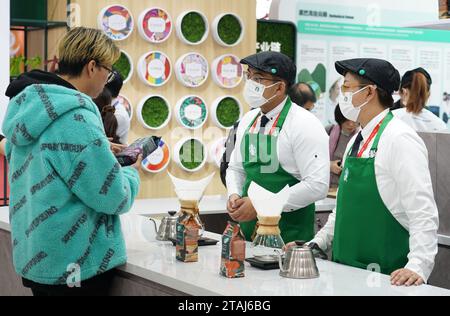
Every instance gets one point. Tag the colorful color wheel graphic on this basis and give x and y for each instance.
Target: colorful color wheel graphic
(193, 112)
(192, 70)
(116, 22)
(228, 71)
(155, 25)
(158, 160)
(123, 101)
(155, 69)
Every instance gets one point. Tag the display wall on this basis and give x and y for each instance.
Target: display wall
(159, 185)
(374, 29)
(322, 44)
(370, 12)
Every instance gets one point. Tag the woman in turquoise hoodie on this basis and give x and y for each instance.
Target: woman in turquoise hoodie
(67, 189)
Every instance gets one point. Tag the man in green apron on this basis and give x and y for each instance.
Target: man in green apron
(277, 144)
(386, 218)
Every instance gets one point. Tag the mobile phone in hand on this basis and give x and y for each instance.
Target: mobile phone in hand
(144, 146)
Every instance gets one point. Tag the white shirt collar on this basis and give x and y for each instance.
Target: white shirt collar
(366, 131)
(272, 114)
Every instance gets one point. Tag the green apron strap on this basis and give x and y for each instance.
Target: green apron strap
(374, 148)
(386, 121)
(284, 113)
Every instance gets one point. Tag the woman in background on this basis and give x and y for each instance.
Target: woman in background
(122, 116)
(103, 102)
(340, 134)
(415, 92)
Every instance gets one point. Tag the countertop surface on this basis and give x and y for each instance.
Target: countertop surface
(155, 261)
(212, 204)
(216, 204)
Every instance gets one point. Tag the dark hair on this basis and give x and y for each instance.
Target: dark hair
(115, 85)
(384, 97)
(419, 93)
(103, 102)
(286, 83)
(300, 97)
(339, 117)
(408, 77)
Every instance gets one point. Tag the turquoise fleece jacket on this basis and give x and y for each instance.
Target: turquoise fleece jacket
(67, 189)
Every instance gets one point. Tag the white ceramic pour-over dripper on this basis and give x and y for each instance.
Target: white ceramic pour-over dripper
(266, 203)
(190, 190)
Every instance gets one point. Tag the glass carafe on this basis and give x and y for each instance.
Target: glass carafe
(268, 238)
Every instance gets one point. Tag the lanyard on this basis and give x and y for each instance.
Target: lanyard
(366, 144)
(272, 130)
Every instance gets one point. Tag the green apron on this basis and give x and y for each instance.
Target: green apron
(365, 232)
(258, 164)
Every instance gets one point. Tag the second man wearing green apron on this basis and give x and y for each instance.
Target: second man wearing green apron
(278, 144)
(386, 218)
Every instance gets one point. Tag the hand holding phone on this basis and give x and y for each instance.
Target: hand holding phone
(142, 146)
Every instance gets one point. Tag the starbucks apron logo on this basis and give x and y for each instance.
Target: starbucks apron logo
(252, 150)
(346, 174)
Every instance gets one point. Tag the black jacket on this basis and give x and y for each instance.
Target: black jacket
(229, 147)
(397, 105)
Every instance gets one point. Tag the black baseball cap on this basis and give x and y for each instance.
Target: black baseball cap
(380, 72)
(274, 63)
(408, 77)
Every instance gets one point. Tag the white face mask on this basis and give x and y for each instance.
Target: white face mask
(346, 104)
(254, 94)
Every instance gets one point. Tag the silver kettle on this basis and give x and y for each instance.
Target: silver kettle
(168, 228)
(299, 263)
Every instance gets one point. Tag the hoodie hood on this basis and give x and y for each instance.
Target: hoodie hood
(35, 77)
(38, 100)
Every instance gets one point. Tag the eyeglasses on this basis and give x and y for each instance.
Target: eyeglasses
(347, 89)
(256, 78)
(111, 74)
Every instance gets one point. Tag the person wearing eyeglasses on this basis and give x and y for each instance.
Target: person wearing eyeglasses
(278, 143)
(67, 188)
(386, 218)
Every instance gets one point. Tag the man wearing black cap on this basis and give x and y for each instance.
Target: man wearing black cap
(386, 216)
(278, 143)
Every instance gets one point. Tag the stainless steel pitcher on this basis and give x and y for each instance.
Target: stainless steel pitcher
(299, 263)
(168, 228)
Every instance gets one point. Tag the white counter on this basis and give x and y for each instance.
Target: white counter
(155, 261)
(213, 204)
